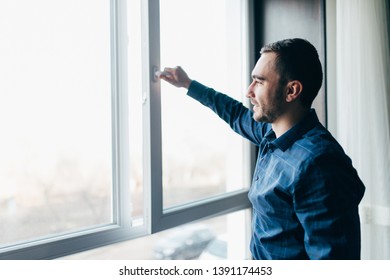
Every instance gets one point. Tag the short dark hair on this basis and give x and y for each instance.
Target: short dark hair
(297, 59)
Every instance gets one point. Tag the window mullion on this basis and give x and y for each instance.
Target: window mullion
(151, 112)
(120, 115)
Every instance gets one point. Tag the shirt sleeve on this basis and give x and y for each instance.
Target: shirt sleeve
(233, 112)
(326, 204)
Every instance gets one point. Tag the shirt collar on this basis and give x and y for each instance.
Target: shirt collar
(293, 134)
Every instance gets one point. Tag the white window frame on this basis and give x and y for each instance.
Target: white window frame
(155, 217)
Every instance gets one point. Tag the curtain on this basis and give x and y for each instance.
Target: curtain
(363, 111)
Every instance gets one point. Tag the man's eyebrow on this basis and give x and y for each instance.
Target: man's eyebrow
(258, 78)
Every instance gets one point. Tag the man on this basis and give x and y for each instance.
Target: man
(305, 191)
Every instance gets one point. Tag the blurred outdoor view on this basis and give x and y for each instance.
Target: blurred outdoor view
(201, 155)
(55, 117)
(56, 152)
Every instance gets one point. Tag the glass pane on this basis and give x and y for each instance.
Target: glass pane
(201, 155)
(134, 54)
(224, 237)
(55, 116)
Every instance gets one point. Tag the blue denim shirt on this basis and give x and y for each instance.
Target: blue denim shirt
(305, 191)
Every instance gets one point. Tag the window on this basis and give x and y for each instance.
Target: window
(57, 165)
(197, 161)
(93, 152)
(193, 152)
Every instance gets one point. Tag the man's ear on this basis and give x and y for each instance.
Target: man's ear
(294, 90)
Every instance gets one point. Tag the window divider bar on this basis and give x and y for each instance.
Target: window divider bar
(151, 112)
(121, 162)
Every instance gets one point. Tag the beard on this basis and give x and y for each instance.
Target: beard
(267, 116)
(269, 113)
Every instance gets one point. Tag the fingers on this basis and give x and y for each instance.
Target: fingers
(171, 73)
(168, 74)
(163, 74)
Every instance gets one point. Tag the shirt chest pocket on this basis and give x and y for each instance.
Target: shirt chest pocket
(271, 187)
(272, 171)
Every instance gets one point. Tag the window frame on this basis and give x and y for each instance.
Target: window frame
(155, 217)
(160, 218)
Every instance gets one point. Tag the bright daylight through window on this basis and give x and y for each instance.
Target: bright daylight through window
(201, 155)
(55, 115)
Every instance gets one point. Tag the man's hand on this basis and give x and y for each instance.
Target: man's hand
(175, 76)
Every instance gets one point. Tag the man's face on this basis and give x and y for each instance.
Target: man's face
(265, 92)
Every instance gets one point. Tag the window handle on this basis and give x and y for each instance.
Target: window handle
(155, 73)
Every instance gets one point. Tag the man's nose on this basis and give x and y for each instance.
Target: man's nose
(249, 92)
